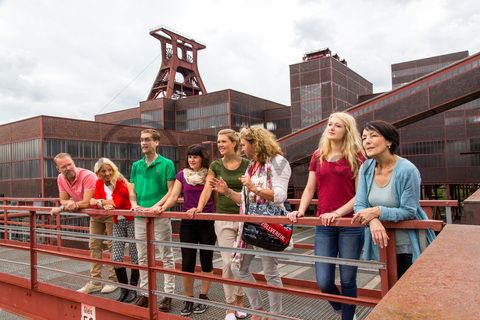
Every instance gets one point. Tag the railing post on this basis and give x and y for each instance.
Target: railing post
(152, 276)
(5, 220)
(33, 253)
(384, 271)
(388, 255)
(448, 214)
(49, 218)
(58, 223)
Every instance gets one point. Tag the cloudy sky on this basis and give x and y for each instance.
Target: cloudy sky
(80, 58)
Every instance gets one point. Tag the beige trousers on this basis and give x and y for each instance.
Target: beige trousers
(101, 226)
(163, 232)
(227, 232)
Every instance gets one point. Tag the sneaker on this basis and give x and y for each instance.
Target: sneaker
(230, 316)
(165, 305)
(90, 287)
(141, 301)
(109, 288)
(187, 308)
(200, 307)
(240, 315)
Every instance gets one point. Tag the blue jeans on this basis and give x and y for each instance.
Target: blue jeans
(344, 242)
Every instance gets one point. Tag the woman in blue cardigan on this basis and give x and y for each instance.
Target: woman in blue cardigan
(389, 190)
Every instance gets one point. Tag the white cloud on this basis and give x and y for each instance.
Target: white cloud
(71, 58)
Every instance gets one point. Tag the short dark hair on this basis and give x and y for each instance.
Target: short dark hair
(198, 150)
(387, 130)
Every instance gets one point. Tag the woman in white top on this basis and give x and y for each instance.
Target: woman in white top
(266, 180)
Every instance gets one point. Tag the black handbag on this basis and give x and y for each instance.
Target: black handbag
(269, 236)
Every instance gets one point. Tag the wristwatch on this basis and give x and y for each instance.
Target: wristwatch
(99, 203)
(258, 190)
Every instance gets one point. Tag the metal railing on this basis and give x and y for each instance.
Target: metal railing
(42, 227)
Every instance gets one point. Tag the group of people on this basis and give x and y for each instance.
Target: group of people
(386, 187)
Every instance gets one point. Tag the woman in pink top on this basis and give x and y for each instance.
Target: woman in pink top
(333, 174)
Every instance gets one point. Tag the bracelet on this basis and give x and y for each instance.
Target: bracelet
(99, 203)
(61, 208)
(228, 192)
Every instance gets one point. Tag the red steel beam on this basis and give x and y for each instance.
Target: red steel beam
(52, 302)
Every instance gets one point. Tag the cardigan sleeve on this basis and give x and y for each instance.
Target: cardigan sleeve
(281, 173)
(121, 196)
(99, 192)
(407, 191)
(361, 200)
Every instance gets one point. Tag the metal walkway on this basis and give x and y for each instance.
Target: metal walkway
(15, 262)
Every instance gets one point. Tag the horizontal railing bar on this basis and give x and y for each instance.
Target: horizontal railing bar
(423, 203)
(87, 258)
(79, 275)
(15, 262)
(369, 265)
(87, 235)
(261, 285)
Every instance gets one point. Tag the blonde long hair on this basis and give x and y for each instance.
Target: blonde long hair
(351, 144)
(266, 145)
(116, 173)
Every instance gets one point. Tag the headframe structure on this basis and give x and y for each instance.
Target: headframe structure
(178, 75)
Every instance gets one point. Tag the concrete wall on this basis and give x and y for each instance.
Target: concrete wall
(471, 208)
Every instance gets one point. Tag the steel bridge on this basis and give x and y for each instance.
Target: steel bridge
(43, 263)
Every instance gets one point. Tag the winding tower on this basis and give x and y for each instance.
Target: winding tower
(178, 76)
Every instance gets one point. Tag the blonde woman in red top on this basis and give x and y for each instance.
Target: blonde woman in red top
(333, 175)
(111, 192)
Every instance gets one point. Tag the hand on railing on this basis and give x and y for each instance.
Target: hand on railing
(329, 217)
(71, 205)
(191, 213)
(158, 209)
(294, 215)
(56, 210)
(366, 215)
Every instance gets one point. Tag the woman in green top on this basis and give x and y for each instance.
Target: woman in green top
(229, 168)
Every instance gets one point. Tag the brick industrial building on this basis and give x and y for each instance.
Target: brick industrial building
(438, 116)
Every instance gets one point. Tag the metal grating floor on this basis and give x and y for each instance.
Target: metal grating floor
(310, 308)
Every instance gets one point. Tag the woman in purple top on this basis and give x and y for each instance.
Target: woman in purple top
(191, 181)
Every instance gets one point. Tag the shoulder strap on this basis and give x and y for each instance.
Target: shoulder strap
(245, 200)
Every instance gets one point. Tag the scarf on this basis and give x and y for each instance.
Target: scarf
(260, 176)
(195, 177)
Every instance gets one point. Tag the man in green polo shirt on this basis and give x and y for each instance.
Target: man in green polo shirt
(152, 179)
